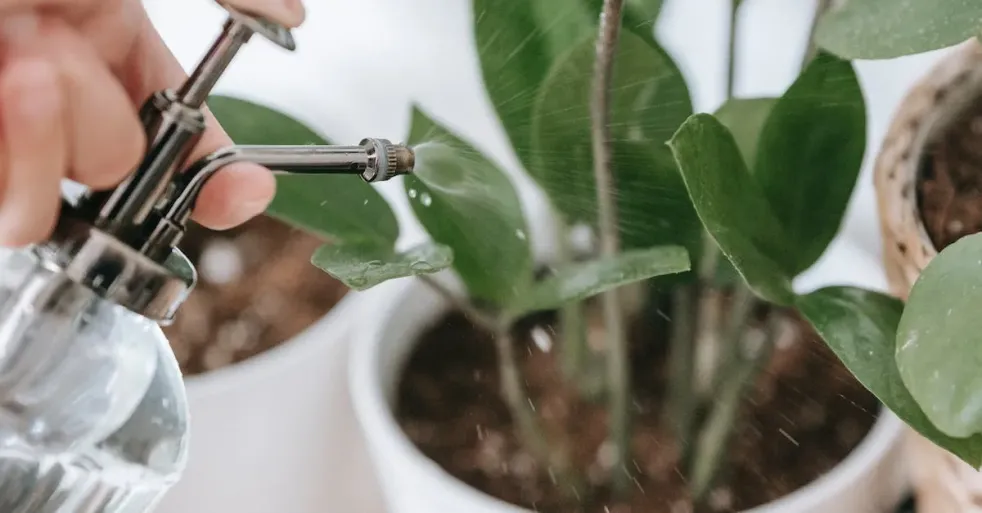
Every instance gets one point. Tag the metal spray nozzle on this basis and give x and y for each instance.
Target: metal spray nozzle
(122, 243)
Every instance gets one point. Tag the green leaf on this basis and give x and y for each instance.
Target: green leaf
(581, 281)
(467, 203)
(732, 207)
(650, 100)
(339, 208)
(516, 43)
(810, 153)
(646, 9)
(939, 339)
(745, 118)
(361, 268)
(860, 327)
(884, 29)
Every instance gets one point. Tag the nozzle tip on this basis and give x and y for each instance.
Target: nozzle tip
(405, 159)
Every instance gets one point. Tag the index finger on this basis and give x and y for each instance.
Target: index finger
(235, 194)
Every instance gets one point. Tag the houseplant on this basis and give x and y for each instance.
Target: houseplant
(440, 413)
(262, 341)
(927, 202)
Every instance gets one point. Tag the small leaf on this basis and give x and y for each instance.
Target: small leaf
(745, 118)
(810, 153)
(361, 268)
(650, 101)
(465, 202)
(884, 29)
(939, 339)
(860, 327)
(339, 208)
(732, 207)
(581, 281)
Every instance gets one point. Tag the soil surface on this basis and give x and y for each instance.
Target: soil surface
(804, 415)
(256, 289)
(950, 186)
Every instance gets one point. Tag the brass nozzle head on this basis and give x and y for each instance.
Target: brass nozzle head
(387, 160)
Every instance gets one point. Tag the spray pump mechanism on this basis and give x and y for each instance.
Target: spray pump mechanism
(122, 243)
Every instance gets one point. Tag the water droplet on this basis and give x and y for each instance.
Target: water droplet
(365, 202)
(542, 339)
(520, 234)
(374, 264)
(421, 267)
(412, 193)
(357, 281)
(324, 203)
(426, 199)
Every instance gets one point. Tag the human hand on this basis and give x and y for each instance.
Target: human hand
(73, 74)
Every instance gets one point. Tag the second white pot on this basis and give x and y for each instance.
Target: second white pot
(871, 479)
(277, 431)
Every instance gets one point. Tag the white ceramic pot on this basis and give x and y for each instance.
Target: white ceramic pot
(276, 433)
(870, 480)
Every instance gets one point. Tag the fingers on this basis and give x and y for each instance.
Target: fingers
(32, 122)
(105, 135)
(235, 194)
(289, 13)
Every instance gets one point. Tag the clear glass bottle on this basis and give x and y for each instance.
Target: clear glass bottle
(93, 414)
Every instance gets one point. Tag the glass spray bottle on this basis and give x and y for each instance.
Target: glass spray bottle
(93, 412)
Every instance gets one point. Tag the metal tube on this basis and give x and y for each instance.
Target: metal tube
(195, 90)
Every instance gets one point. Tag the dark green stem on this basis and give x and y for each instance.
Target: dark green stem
(682, 352)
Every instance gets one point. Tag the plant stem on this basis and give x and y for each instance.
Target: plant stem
(719, 426)
(731, 49)
(682, 363)
(529, 430)
(741, 306)
(821, 6)
(618, 370)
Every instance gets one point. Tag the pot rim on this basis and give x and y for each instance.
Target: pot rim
(374, 412)
(933, 103)
(334, 325)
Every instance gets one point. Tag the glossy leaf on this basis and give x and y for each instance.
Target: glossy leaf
(361, 268)
(581, 281)
(809, 155)
(338, 208)
(467, 203)
(860, 327)
(884, 29)
(745, 118)
(939, 339)
(732, 206)
(650, 100)
(516, 42)
(646, 9)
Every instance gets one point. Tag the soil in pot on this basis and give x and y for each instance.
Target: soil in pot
(949, 189)
(256, 290)
(802, 417)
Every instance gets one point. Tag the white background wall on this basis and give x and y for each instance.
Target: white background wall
(360, 64)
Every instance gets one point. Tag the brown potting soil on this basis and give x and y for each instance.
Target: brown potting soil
(802, 417)
(256, 289)
(950, 185)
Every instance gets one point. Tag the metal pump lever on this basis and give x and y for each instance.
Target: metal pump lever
(121, 243)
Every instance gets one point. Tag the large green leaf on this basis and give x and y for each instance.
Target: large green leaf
(345, 210)
(884, 29)
(340, 208)
(650, 100)
(467, 203)
(940, 336)
(516, 45)
(732, 206)
(581, 281)
(810, 153)
(745, 119)
(860, 326)
(361, 268)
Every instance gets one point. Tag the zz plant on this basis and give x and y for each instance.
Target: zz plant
(601, 118)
